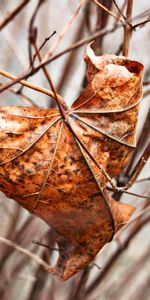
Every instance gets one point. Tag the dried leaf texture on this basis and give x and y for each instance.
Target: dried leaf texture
(45, 168)
(107, 110)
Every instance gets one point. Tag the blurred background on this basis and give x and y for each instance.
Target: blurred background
(127, 277)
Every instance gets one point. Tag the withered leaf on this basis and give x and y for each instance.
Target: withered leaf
(46, 160)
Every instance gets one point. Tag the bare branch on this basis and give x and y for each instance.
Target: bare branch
(33, 30)
(142, 180)
(130, 193)
(121, 13)
(146, 82)
(80, 43)
(127, 29)
(45, 246)
(42, 45)
(13, 13)
(143, 137)
(141, 162)
(64, 30)
(31, 86)
(40, 59)
(35, 257)
(140, 24)
(108, 11)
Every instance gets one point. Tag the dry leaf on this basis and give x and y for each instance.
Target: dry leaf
(46, 161)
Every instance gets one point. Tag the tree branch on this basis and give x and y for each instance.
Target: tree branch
(127, 28)
(80, 43)
(13, 14)
(64, 30)
(35, 257)
(32, 86)
(108, 11)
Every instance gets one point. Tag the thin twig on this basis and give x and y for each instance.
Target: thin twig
(127, 28)
(13, 13)
(80, 43)
(33, 42)
(34, 57)
(134, 174)
(142, 180)
(60, 102)
(64, 30)
(121, 13)
(32, 86)
(40, 59)
(33, 30)
(43, 68)
(42, 45)
(108, 11)
(130, 193)
(45, 246)
(35, 257)
(17, 235)
(143, 137)
(140, 24)
(71, 59)
(146, 82)
(61, 53)
(101, 22)
(141, 162)
(32, 36)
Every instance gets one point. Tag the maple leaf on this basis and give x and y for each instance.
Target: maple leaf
(57, 166)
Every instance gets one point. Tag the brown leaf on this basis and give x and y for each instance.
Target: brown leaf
(58, 168)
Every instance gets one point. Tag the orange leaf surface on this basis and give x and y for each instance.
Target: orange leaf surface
(58, 167)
